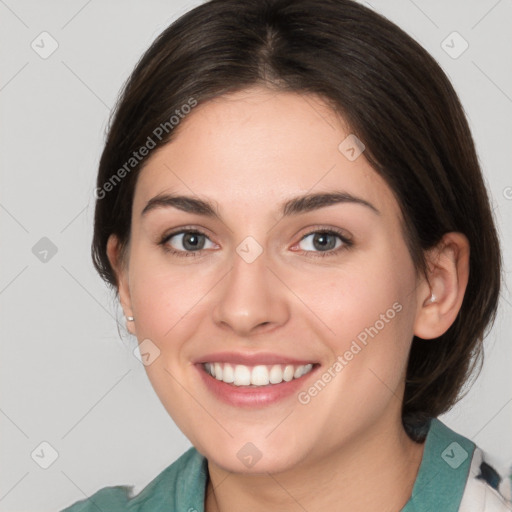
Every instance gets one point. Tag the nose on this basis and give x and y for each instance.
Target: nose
(251, 298)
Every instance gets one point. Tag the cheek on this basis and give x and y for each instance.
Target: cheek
(164, 297)
(368, 309)
(358, 299)
(369, 313)
(167, 305)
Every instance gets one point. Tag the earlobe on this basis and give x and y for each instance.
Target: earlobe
(441, 294)
(121, 272)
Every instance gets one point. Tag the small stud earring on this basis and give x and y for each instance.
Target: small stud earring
(130, 318)
(433, 298)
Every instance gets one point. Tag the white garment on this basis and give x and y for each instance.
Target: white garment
(479, 495)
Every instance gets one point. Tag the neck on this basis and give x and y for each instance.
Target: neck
(376, 471)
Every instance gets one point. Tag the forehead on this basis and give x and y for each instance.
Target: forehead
(258, 147)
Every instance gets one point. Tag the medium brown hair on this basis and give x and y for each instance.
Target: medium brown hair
(393, 96)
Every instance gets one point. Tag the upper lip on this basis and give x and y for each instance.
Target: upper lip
(251, 359)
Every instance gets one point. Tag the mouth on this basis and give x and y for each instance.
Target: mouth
(255, 376)
(254, 381)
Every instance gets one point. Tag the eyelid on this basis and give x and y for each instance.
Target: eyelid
(184, 229)
(344, 234)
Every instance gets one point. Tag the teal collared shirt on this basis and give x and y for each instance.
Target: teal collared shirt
(181, 487)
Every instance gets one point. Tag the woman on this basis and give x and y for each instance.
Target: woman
(291, 210)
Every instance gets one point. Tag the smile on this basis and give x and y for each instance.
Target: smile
(256, 376)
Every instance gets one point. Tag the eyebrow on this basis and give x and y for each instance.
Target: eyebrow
(294, 206)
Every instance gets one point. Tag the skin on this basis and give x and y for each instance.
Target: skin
(247, 153)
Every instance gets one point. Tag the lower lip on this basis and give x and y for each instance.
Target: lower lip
(245, 396)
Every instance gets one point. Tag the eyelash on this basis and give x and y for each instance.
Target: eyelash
(347, 243)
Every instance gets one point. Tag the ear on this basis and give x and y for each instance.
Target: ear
(120, 268)
(440, 296)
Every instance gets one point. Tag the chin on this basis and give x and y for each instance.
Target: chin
(249, 457)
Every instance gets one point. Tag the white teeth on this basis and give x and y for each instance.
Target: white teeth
(298, 372)
(228, 374)
(242, 375)
(276, 374)
(288, 373)
(259, 375)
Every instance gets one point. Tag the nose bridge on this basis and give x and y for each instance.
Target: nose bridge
(248, 299)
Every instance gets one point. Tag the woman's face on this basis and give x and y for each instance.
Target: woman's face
(278, 284)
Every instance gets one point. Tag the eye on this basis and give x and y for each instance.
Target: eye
(191, 242)
(186, 242)
(324, 243)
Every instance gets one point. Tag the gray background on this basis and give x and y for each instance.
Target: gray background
(66, 377)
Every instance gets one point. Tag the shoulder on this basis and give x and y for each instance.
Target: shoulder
(455, 474)
(180, 484)
(487, 488)
(108, 498)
